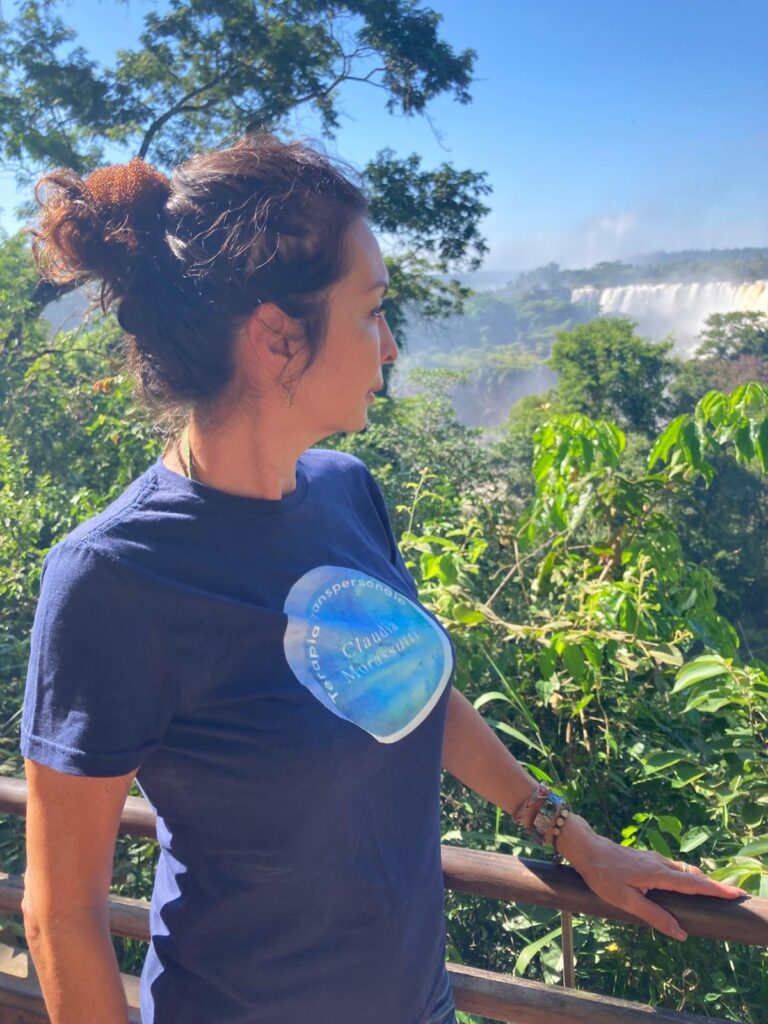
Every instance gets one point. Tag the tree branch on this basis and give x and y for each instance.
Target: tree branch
(177, 108)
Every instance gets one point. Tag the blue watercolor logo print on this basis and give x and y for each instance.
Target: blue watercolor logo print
(365, 651)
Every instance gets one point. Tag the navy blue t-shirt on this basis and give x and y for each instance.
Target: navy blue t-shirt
(268, 668)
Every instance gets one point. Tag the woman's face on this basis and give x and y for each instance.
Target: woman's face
(336, 391)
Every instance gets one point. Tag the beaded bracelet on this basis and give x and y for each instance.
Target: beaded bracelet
(549, 819)
(529, 807)
(543, 815)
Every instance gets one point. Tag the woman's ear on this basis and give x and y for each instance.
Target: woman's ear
(273, 339)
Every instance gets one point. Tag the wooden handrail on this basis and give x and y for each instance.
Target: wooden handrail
(137, 819)
(504, 877)
(475, 991)
(544, 884)
(506, 998)
(128, 918)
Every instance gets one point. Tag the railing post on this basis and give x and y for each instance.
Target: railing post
(566, 923)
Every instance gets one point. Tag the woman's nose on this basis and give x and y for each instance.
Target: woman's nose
(388, 345)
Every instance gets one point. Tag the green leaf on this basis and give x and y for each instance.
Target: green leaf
(661, 759)
(466, 614)
(574, 660)
(761, 446)
(671, 825)
(545, 571)
(657, 842)
(430, 565)
(695, 671)
(448, 569)
(693, 838)
(547, 662)
(665, 441)
(529, 952)
(743, 441)
(586, 699)
(713, 406)
(593, 653)
(710, 703)
(686, 775)
(757, 848)
(691, 445)
(486, 698)
(516, 734)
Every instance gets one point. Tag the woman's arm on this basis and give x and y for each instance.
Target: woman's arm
(620, 875)
(72, 824)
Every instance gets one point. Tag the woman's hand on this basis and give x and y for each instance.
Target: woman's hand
(622, 876)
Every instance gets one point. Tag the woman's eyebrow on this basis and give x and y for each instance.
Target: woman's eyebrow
(380, 284)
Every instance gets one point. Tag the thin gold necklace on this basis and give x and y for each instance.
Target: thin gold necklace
(185, 455)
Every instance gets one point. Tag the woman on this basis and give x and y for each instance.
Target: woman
(239, 633)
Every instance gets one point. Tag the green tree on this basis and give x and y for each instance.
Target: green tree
(732, 335)
(733, 350)
(609, 372)
(207, 70)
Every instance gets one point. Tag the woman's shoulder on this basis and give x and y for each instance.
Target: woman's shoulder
(329, 466)
(93, 537)
(330, 460)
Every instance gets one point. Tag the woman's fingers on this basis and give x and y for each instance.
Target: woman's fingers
(695, 882)
(654, 915)
(688, 869)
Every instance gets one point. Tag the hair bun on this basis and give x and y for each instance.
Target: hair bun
(101, 226)
(131, 193)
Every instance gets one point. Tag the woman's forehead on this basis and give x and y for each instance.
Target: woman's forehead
(367, 266)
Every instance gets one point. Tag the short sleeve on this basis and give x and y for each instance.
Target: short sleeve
(99, 694)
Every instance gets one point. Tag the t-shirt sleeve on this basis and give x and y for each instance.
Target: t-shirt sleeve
(99, 693)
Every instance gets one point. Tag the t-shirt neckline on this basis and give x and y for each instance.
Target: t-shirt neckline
(235, 502)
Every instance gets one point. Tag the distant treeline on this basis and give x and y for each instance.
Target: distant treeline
(654, 268)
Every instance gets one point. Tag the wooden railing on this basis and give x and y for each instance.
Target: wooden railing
(496, 996)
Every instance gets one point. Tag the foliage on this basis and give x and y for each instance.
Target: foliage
(732, 335)
(748, 264)
(528, 320)
(486, 382)
(608, 371)
(207, 69)
(600, 654)
(434, 215)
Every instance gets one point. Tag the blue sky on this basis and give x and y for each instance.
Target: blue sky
(607, 129)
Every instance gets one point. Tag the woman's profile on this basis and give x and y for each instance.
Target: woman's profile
(239, 633)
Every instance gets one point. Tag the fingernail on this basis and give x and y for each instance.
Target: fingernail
(678, 933)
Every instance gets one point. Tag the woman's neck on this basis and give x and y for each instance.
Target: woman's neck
(239, 459)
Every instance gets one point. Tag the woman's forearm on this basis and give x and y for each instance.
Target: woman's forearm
(476, 756)
(77, 968)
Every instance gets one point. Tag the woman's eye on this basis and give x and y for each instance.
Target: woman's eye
(379, 311)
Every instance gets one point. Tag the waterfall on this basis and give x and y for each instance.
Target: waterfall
(677, 309)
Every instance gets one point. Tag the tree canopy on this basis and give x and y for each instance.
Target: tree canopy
(207, 71)
(732, 335)
(609, 372)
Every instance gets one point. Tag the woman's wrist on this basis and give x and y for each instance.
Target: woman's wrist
(576, 839)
